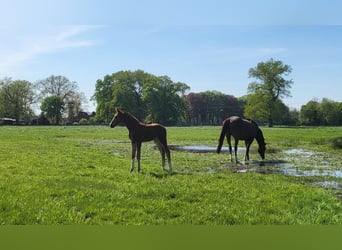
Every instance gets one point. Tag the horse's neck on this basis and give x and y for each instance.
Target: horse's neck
(260, 138)
(131, 122)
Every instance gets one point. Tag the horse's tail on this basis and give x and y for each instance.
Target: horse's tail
(225, 127)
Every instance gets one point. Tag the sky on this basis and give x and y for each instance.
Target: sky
(209, 45)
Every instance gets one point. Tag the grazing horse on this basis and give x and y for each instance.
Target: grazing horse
(241, 129)
(140, 132)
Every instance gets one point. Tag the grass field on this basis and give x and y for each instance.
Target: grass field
(80, 175)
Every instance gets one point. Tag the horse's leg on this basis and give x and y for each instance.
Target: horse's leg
(134, 149)
(168, 155)
(248, 144)
(229, 146)
(138, 154)
(235, 150)
(162, 151)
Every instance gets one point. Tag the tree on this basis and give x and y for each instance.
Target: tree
(74, 106)
(104, 98)
(331, 112)
(211, 107)
(326, 112)
(195, 103)
(310, 113)
(16, 98)
(164, 100)
(64, 88)
(140, 93)
(52, 108)
(255, 108)
(122, 89)
(270, 86)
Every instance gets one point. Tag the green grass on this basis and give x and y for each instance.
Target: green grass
(80, 175)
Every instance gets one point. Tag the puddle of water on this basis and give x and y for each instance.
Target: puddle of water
(302, 166)
(283, 167)
(301, 152)
(195, 149)
(295, 172)
(201, 149)
(329, 184)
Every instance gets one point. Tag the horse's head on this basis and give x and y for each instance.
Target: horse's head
(262, 150)
(262, 143)
(117, 119)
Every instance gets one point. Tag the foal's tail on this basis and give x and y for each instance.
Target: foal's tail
(225, 128)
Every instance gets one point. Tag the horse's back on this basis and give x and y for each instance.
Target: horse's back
(151, 131)
(242, 128)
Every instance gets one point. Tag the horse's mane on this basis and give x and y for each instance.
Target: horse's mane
(259, 136)
(131, 116)
(252, 121)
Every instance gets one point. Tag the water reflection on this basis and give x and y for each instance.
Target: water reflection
(284, 166)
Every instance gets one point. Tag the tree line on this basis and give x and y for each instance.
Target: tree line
(58, 99)
(159, 99)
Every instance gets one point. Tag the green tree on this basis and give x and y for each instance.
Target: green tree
(331, 112)
(52, 108)
(211, 107)
(270, 85)
(326, 112)
(16, 99)
(219, 106)
(255, 108)
(64, 88)
(164, 99)
(122, 89)
(258, 110)
(104, 98)
(310, 114)
(140, 93)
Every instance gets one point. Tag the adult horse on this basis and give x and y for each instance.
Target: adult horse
(140, 132)
(241, 129)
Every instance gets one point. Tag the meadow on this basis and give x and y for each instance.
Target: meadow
(80, 175)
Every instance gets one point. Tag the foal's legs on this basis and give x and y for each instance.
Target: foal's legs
(167, 150)
(164, 149)
(248, 145)
(134, 150)
(235, 150)
(247, 150)
(138, 154)
(229, 146)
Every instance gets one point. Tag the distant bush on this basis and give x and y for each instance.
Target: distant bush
(83, 121)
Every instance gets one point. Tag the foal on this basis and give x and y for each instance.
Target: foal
(140, 132)
(241, 129)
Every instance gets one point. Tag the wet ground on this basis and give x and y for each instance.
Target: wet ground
(289, 162)
(195, 149)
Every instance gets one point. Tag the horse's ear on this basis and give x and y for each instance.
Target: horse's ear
(118, 110)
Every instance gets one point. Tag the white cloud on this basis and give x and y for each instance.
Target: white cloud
(29, 46)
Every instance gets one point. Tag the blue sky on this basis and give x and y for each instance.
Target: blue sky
(209, 45)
